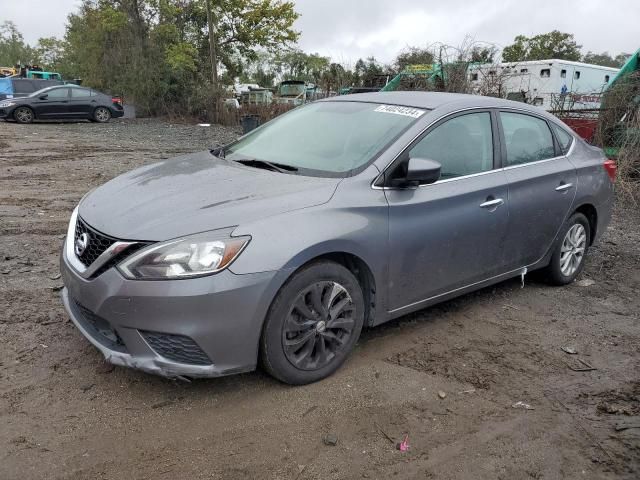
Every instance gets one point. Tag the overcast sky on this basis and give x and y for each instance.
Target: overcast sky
(349, 29)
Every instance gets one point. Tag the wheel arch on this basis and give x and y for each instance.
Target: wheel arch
(352, 262)
(589, 211)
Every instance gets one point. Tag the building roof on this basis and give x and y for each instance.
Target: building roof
(551, 61)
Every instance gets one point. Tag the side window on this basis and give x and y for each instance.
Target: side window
(564, 138)
(58, 93)
(528, 138)
(80, 93)
(462, 145)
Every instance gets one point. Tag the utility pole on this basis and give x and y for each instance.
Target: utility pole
(212, 46)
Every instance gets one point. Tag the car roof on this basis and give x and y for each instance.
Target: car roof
(433, 100)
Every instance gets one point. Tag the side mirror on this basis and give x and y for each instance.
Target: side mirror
(43, 97)
(422, 171)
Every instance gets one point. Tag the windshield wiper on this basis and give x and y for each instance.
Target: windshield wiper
(217, 151)
(276, 167)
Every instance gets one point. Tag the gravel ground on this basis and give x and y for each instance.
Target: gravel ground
(64, 414)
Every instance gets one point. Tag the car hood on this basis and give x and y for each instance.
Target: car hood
(196, 193)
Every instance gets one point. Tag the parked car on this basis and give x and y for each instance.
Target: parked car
(381, 204)
(62, 102)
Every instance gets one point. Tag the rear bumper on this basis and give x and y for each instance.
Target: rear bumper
(117, 113)
(219, 318)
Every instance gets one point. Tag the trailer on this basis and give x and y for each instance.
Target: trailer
(552, 84)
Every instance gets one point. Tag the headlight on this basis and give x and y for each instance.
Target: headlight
(6, 104)
(194, 256)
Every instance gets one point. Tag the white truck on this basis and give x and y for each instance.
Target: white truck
(551, 84)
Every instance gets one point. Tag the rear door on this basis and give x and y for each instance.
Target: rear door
(451, 233)
(55, 105)
(542, 186)
(82, 103)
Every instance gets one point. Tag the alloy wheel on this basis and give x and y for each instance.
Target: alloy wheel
(102, 114)
(573, 248)
(319, 324)
(24, 115)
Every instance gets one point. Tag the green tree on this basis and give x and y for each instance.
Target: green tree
(483, 54)
(554, 44)
(295, 64)
(413, 56)
(241, 27)
(622, 58)
(603, 59)
(158, 52)
(50, 53)
(13, 49)
(368, 71)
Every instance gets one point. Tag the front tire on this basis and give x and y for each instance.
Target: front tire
(313, 324)
(101, 115)
(569, 255)
(23, 115)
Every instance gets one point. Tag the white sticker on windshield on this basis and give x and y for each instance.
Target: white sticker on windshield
(406, 111)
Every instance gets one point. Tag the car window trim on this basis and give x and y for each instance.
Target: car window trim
(557, 150)
(553, 131)
(60, 88)
(380, 178)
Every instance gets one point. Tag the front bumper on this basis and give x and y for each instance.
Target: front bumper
(219, 316)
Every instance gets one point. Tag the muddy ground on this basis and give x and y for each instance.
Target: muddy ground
(64, 414)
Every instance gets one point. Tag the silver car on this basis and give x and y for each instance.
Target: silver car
(339, 215)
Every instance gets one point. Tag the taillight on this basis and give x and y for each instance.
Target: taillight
(116, 100)
(611, 167)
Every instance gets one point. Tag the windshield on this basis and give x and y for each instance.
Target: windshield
(330, 138)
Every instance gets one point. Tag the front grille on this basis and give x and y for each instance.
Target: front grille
(120, 257)
(97, 242)
(100, 329)
(177, 348)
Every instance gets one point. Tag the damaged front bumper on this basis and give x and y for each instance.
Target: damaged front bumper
(150, 362)
(202, 327)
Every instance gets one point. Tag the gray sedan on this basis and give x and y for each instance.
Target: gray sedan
(343, 214)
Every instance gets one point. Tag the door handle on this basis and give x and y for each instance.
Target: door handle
(495, 203)
(564, 187)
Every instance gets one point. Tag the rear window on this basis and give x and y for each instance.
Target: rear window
(80, 93)
(528, 138)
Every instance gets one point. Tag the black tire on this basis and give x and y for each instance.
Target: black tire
(23, 115)
(101, 115)
(328, 342)
(554, 270)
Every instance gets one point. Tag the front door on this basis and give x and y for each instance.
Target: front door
(55, 104)
(542, 186)
(451, 233)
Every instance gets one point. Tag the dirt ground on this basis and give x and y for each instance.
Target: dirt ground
(64, 414)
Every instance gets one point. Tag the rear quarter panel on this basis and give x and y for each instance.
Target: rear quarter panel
(594, 186)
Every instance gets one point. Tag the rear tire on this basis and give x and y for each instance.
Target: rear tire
(23, 115)
(313, 324)
(569, 255)
(101, 115)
